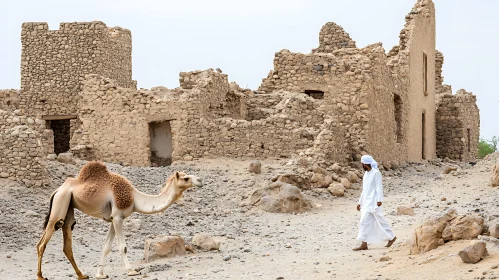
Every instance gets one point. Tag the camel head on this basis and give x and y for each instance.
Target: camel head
(184, 181)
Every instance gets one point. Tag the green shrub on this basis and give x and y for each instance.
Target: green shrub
(486, 147)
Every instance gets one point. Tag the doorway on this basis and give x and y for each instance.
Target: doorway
(423, 136)
(62, 134)
(161, 143)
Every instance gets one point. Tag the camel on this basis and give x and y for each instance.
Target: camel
(105, 195)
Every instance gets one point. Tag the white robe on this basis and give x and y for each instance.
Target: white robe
(373, 227)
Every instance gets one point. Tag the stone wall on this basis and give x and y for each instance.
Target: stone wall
(55, 62)
(358, 94)
(10, 119)
(9, 99)
(458, 126)
(23, 157)
(333, 37)
(115, 121)
(417, 40)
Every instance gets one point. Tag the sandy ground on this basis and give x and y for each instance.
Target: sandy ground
(313, 245)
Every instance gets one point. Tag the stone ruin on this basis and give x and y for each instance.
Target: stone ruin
(330, 106)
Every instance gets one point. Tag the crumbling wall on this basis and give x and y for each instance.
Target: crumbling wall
(9, 99)
(261, 106)
(115, 122)
(333, 37)
(10, 119)
(54, 62)
(21, 152)
(386, 111)
(406, 61)
(458, 126)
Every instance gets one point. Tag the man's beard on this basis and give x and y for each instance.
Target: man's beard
(364, 167)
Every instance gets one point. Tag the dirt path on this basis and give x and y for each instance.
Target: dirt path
(314, 245)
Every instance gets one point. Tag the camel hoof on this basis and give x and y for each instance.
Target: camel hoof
(42, 278)
(83, 277)
(101, 276)
(133, 273)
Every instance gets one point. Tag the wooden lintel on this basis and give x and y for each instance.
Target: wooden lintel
(58, 117)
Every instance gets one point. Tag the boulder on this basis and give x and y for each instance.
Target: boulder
(494, 178)
(280, 197)
(437, 230)
(321, 181)
(474, 253)
(66, 158)
(405, 210)
(255, 167)
(352, 177)
(447, 169)
(463, 227)
(337, 189)
(336, 167)
(163, 247)
(52, 157)
(427, 236)
(345, 182)
(205, 242)
(494, 229)
(295, 180)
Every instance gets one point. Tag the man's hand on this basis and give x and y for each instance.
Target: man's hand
(379, 204)
(358, 207)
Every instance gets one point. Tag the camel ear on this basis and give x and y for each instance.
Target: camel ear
(177, 175)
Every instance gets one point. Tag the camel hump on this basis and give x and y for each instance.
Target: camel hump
(122, 191)
(93, 170)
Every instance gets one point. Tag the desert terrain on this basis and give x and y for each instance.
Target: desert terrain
(255, 244)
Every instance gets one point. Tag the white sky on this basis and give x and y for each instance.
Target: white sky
(241, 36)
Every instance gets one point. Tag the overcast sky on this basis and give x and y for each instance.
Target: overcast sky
(241, 36)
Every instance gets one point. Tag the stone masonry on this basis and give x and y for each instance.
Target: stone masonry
(458, 124)
(329, 106)
(55, 62)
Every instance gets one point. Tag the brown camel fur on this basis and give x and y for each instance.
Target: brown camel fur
(105, 195)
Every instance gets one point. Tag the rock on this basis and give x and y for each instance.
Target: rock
(395, 166)
(51, 157)
(33, 214)
(336, 167)
(163, 247)
(474, 253)
(188, 158)
(384, 259)
(189, 248)
(205, 242)
(447, 169)
(280, 197)
(463, 227)
(321, 181)
(494, 229)
(352, 177)
(405, 210)
(66, 158)
(255, 167)
(443, 199)
(345, 182)
(439, 229)
(337, 189)
(295, 180)
(226, 258)
(494, 178)
(427, 236)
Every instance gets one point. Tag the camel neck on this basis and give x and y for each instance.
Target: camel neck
(150, 204)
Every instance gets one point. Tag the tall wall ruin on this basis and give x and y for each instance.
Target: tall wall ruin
(55, 62)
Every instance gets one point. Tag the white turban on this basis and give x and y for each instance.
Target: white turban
(367, 159)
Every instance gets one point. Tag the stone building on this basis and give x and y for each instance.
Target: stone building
(55, 62)
(329, 106)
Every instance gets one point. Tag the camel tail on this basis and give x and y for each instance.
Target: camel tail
(50, 210)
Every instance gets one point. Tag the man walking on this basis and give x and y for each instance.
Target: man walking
(373, 227)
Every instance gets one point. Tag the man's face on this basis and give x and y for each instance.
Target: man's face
(364, 167)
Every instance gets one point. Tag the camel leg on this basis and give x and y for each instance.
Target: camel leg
(60, 204)
(105, 251)
(40, 247)
(68, 241)
(118, 227)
